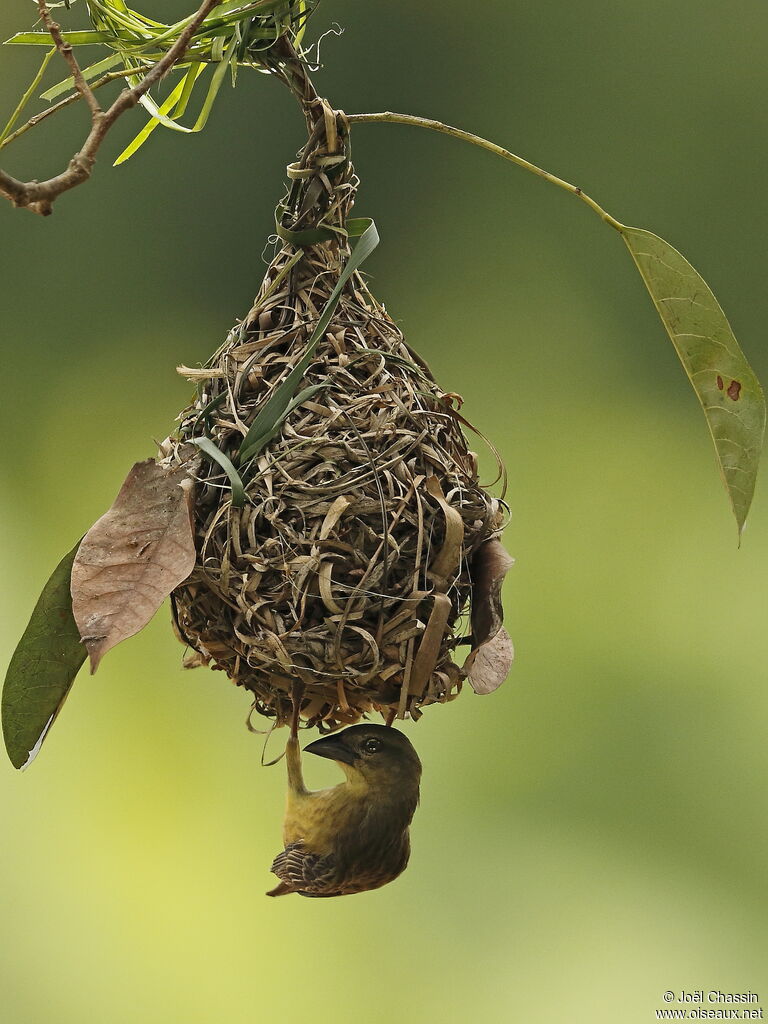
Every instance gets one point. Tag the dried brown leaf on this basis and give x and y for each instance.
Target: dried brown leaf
(490, 564)
(488, 666)
(431, 642)
(447, 559)
(133, 557)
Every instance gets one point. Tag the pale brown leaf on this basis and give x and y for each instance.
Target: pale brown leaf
(489, 565)
(446, 561)
(431, 642)
(491, 656)
(133, 557)
(488, 666)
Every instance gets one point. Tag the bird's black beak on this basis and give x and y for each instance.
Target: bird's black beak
(333, 747)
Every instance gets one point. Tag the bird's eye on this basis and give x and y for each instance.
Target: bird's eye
(371, 745)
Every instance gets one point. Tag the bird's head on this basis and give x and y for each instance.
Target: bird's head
(375, 753)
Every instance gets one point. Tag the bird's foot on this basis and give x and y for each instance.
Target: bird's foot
(297, 694)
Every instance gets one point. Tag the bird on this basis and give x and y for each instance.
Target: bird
(354, 836)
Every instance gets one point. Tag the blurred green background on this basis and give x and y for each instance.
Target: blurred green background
(594, 833)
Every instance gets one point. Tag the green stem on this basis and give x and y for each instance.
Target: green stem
(437, 126)
(27, 95)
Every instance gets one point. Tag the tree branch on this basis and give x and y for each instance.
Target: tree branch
(39, 196)
(65, 49)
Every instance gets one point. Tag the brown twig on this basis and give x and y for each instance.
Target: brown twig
(65, 49)
(39, 196)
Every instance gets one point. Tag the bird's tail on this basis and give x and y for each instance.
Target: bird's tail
(281, 890)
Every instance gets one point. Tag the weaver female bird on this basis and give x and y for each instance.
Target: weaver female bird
(354, 836)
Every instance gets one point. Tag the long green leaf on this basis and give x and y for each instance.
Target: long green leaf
(73, 38)
(204, 415)
(724, 382)
(216, 80)
(275, 407)
(89, 74)
(194, 71)
(168, 105)
(158, 114)
(246, 454)
(177, 101)
(238, 491)
(27, 95)
(42, 669)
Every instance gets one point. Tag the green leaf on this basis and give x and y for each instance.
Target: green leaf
(204, 416)
(89, 74)
(276, 406)
(246, 454)
(194, 71)
(177, 102)
(27, 95)
(723, 380)
(168, 105)
(73, 38)
(42, 669)
(159, 113)
(213, 88)
(238, 491)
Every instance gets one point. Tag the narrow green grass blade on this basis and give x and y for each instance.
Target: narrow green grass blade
(193, 73)
(204, 416)
(43, 668)
(27, 95)
(109, 15)
(209, 448)
(243, 7)
(305, 12)
(357, 226)
(74, 38)
(120, 5)
(258, 443)
(160, 114)
(274, 409)
(724, 382)
(213, 88)
(282, 275)
(89, 73)
(175, 96)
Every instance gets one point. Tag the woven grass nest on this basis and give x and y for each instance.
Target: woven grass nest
(351, 564)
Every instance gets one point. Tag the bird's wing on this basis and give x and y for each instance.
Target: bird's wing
(305, 872)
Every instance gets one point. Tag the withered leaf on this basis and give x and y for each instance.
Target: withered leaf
(431, 642)
(133, 557)
(487, 569)
(491, 656)
(488, 666)
(446, 561)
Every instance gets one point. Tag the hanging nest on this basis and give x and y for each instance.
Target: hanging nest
(348, 562)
